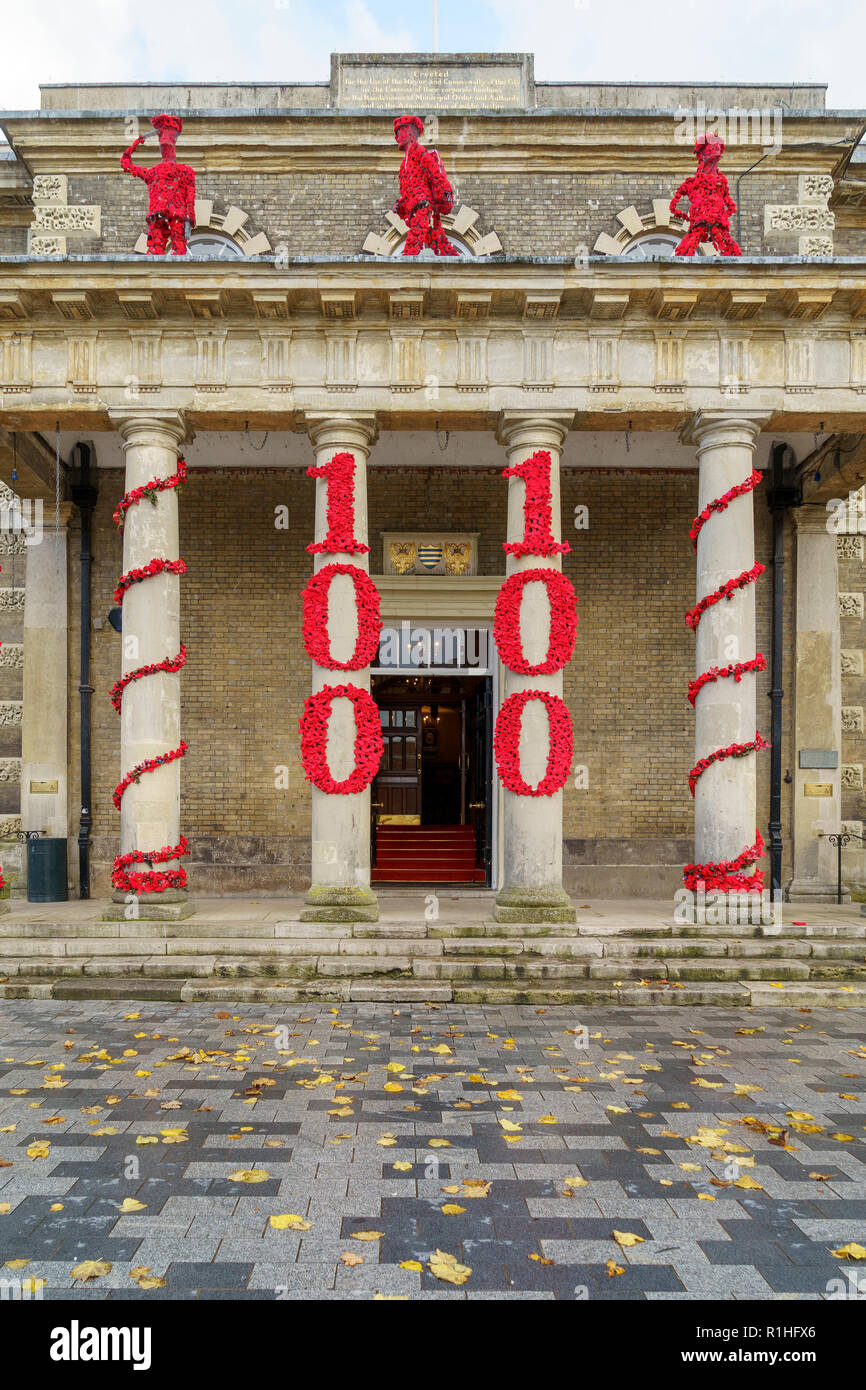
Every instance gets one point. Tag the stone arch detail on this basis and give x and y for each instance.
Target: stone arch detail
(462, 222)
(635, 224)
(232, 224)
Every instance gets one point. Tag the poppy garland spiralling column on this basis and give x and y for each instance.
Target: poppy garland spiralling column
(725, 876)
(124, 878)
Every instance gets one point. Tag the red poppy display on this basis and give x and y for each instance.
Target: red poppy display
(317, 641)
(340, 537)
(563, 621)
(506, 743)
(537, 508)
(727, 876)
(150, 490)
(151, 880)
(369, 747)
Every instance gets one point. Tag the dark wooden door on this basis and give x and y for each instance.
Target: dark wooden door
(397, 787)
(479, 787)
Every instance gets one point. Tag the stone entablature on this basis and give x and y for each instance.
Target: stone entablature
(650, 338)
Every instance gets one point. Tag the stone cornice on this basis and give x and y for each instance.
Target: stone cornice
(327, 140)
(46, 291)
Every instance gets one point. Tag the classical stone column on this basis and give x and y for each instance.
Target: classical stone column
(340, 833)
(817, 706)
(150, 711)
(725, 709)
(532, 888)
(45, 714)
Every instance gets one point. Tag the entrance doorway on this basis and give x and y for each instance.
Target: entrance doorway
(431, 799)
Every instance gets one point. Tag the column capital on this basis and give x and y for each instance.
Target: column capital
(57, 519)
(709, 429)
(342, 429)
(816, 519)
(150, 425)
(533, 429)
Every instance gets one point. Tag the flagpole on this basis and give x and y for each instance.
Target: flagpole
(435, 26)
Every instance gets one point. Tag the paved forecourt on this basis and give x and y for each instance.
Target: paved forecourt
(155, 1150)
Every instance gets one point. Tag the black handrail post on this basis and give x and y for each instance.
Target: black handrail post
(84, 496)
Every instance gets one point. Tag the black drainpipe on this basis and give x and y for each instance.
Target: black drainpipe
(783, 493)
(84, 497)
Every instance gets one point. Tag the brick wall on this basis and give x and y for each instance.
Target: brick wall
(247, 674)
(541, 214)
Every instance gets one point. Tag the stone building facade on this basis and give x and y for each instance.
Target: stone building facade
(295, 330)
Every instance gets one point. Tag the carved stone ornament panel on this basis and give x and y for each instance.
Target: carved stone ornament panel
(852, 719)
(49, 188)
(852, 776)
(850, 605)
(849, 547)
(852, 661)
(81, 218)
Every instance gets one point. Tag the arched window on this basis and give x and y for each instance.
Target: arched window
(652, 246)
(212, 246)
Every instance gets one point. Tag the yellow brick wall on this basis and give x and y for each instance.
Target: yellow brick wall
(247, 674)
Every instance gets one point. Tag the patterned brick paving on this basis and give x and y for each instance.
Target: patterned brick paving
(629, 1098)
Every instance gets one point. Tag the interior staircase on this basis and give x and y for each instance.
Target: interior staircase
(591, 963)
(426, 854)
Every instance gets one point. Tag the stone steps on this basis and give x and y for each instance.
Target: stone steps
(589, 993)
(599, 960)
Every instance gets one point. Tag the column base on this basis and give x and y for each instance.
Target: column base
(806, 890)
(171, 906)
(729, 910)
(533, 905)
(328, 904)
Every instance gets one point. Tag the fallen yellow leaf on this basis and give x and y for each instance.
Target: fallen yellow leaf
(289, 1221)
(448, 1268)
(91, 1269)
(627, 1238)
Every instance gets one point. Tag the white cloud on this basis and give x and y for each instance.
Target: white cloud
(771, 41)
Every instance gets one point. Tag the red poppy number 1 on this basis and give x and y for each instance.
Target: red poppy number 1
(340, 539)
(537, 540)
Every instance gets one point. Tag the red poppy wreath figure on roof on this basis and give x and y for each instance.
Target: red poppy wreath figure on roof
(425, 192)
(710, 202)
(170, 189)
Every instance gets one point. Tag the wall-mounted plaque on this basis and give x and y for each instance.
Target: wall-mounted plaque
(819, 757)
(44, 788)
(818, 789)
(431, 82)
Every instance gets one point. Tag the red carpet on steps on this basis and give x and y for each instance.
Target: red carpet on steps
(426, 854)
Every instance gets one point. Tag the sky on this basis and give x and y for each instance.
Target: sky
(573, 40)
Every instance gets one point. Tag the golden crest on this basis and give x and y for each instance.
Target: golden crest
(457, 557)
(402, 555)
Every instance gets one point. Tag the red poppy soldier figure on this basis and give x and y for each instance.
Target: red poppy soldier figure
(710, 202)
(425, 192)
(170, 188)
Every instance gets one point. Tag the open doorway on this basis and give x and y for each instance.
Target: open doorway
(431, 799)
